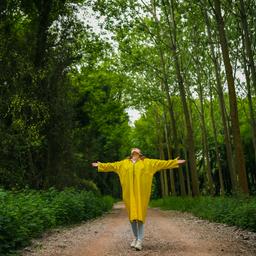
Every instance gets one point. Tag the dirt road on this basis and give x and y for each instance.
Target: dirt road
(166, 233)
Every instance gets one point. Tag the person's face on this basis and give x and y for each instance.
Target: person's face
(135, 152)
(135, 155)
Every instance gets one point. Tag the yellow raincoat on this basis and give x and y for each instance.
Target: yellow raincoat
(136, 180)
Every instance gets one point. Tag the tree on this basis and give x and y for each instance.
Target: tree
(239, 155)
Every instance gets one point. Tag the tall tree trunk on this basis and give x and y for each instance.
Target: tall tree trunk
(163, 193)
(168, 146)
(187, 174)
(44, 8)
(252, 120)
(174, 130)
(239, 154)
(164, 183)
(177, 151)
(217, 152)
(40, 60)
(210, 187)
(227, 136)
(165, 88)
(163, 176)
(190, 144)
(247, 41)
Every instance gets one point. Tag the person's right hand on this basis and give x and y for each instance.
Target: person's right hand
(95, 164)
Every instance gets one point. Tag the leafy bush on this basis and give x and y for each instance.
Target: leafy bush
(87, 185)
(107, 203)
(27, 213)
(238, 211)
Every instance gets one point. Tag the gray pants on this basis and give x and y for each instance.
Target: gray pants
(138, 229)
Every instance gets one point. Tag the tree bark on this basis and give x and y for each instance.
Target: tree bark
(206, 156)
(252, 120)
(164, 183)
(44, 8)
(168, 146)
(248, 44)
(227, 137)
(165, 87)
(187, 175)
(177, 151)
(217, 152)
(189, 129)
(239, 154)
(205, 142)
(163, 176)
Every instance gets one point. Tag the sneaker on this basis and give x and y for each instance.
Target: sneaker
(133, 243)
(138, 245)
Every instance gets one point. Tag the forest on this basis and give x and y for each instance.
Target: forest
(71, 70)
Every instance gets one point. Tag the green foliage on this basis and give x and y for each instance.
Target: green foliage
(39, 43)
(154, 189)
(145, 35)
(64, 88)
(101, 123)
(148, 124)
(87, 185)
(26, 214)
(238, 211)
(60, 100)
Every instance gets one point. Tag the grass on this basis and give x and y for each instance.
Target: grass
(237, 211)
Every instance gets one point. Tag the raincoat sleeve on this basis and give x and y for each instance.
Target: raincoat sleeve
(158, 165)
(108, 167)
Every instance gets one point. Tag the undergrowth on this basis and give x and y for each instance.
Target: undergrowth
(26, 214)
(237, 211)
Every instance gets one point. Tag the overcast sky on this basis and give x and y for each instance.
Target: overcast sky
(133, 115)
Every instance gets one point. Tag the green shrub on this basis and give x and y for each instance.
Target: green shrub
(108, 202)
(68, 207)
(238, 211)
(87, 185)
(92, 206)
(27, 213)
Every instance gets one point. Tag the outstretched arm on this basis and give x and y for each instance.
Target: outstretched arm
(107, 167)
(166, 164)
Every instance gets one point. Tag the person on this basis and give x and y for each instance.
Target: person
(136, 174)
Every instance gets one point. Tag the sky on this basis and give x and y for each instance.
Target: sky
(134, 115)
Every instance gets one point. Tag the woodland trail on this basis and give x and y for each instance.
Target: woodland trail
(166, 233)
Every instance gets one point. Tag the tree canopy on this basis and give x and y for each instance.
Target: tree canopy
(71, 69)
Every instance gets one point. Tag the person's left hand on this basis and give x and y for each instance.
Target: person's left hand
(182, 161)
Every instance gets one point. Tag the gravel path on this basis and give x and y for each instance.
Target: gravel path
(166, 233)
